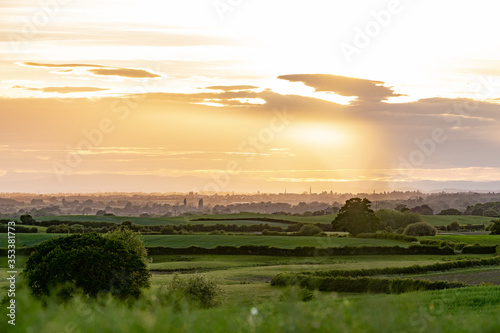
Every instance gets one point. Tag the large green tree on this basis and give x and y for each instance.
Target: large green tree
(89, 262)
(356, 217)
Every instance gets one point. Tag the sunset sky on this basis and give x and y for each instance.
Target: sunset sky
(249, 95)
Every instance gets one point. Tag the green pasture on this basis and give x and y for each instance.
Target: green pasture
(438, 220)
(211, 241)
(239, 219)
(486, 240)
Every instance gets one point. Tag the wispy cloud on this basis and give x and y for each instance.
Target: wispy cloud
(38, 64)
(102, 70)
(232, 88)
(62, 90)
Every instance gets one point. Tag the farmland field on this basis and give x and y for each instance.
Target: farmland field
(239, 219)
(251, 304)
(437, 220)
(211, 241)
(486, 240)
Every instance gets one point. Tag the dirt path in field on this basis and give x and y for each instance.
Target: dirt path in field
(473, 278)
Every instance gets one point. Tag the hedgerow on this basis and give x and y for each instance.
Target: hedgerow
(363, 284)
(414, 269)
(391, 236)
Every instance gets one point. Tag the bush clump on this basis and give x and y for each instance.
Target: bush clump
(420, 229)
(385, 235)
(197, 291)
(365, 284)
(87, 262)
(495, 228)
(395, 220)
(309, 230)
(295, 294)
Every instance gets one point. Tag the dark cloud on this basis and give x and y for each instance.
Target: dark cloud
(63, 90)
(232, 88)
(365, 90)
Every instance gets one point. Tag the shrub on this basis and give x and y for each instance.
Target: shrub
(19, 229)
(365, 284)
(266, 232)
(450, 211)
(423, 210)
(495, 228)
(291, 278)
(478, 249)
(88, 262)
(395, 219)
(398, 237)
(459, 246)
(58, 229)
(196, 290)
(76, 229)
(309, 230)
(420, 229)
(167, 230)
(295, 294)
(132, 241)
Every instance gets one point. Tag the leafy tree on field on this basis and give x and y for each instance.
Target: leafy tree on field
(76, 229)
(356, 217)
(402, 208)
(490, 212)
(130, 225)
(420, 229)
(132, 241)
(309, 230)
(495, 228)
(100, 212)
(392, 219)
(423, 210)
(450, 211)
(86, 262)
(27, 219)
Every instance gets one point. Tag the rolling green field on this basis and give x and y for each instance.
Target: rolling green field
(437, 220)
(486, 240)
(238, 219)
(242, 219)
(211, 241)
(251, 304)
(473, 309)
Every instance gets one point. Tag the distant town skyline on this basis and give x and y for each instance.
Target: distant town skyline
(218, 96)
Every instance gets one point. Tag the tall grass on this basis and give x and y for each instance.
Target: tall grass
(472, 309)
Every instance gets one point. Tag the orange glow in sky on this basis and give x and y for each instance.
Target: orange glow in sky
(163, 96)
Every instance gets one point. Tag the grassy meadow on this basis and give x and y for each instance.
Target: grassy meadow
(239, 219)
(288, 242)
(251, 304)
